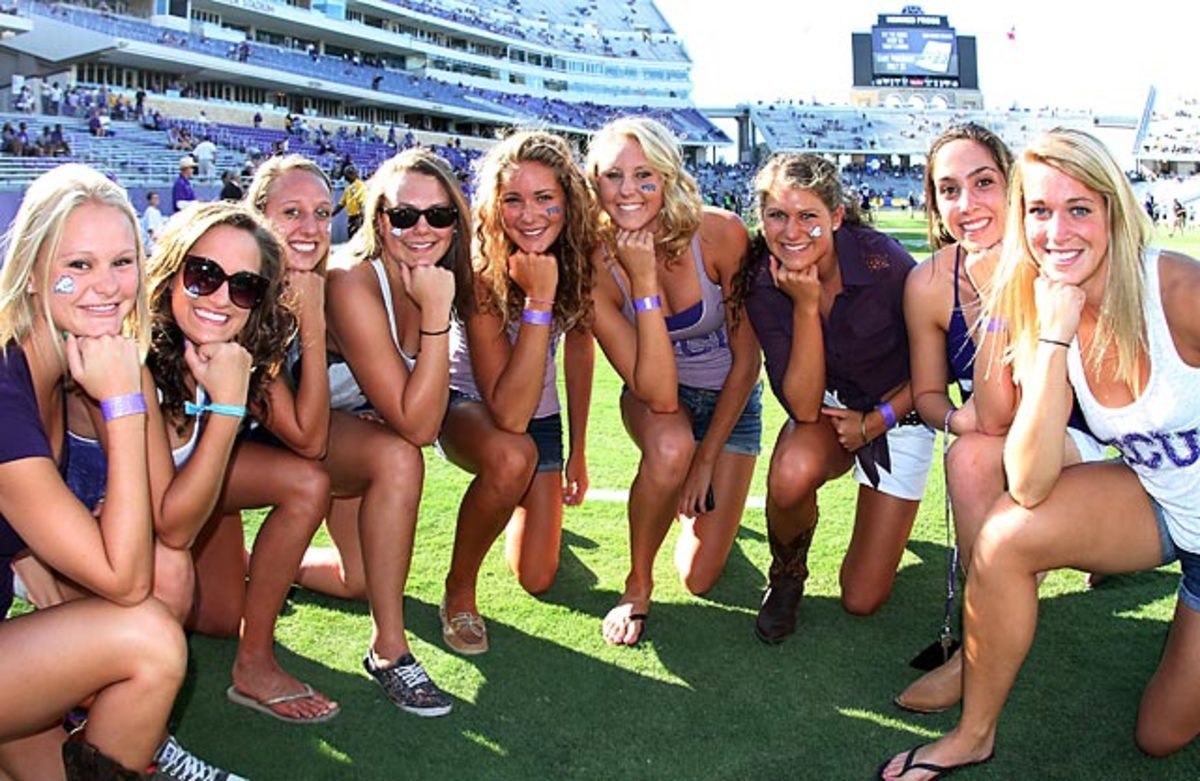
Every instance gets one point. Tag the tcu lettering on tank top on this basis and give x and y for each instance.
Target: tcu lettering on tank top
(1158, 434)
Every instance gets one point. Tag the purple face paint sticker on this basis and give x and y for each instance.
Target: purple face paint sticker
(397, 232)
(553, 211)
(64, 285)
(649, 188)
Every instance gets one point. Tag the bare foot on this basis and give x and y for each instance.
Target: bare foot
(265, 680)
(625, 623)
(937, 690)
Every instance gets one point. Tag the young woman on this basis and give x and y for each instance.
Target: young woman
(692, 398)
(534, 232)
(966, 181)
(1088, 306)
(221, 323)
(72, 266)
(824, 293)
(389, 305)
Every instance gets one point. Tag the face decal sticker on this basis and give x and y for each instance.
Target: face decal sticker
(64, 285)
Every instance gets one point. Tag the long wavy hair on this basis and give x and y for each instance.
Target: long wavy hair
(682, 205)
(32, 241)
(572, 249)
(268, 329)
(939, 234)
(791, 170)
(366, 245)
(1121, 322)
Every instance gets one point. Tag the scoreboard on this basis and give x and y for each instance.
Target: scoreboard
(914, 49)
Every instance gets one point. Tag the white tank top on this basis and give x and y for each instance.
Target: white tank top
(1158, 434)
(344, 391)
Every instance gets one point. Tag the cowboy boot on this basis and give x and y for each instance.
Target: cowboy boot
(84, 762)
(785, 586)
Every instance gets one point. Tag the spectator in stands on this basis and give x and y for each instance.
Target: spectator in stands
(58, 141)
(689, 361)
(231, 186)
(205, 153)
(353, 199)
(221, 323)
(1089, 306)
(152, 221)
(258, 119)
(966, 183)
(54, 98)
(183, 194)
(9, 143)
(535, 231)
(401, 279)
(24, 143)
(824, 294)
(1179, 214)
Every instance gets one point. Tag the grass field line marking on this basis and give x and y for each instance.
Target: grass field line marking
(611, 495)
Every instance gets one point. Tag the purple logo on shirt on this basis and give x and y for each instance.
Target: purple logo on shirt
(1154, 450)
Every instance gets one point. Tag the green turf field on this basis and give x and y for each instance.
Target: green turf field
(701, 698)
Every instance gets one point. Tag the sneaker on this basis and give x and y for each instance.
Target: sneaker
(173, 762)
(463, 632)
(408, 686)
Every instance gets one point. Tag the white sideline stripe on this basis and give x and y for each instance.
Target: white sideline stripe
(610, 495)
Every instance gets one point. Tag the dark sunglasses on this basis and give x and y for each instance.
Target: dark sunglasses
(405, 217)
(203, 277)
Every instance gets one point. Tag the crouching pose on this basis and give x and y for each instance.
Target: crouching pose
(1089, 307)
(824, 293)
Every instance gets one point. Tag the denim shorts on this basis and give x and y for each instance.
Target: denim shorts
(546, 432)
(746, 437)
(1189, 584)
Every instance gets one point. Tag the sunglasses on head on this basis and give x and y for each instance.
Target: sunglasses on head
(405, 217)
(203, 277)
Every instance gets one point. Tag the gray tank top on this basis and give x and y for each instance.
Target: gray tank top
(698, 333)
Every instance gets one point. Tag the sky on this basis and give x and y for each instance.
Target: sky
(1066, 54)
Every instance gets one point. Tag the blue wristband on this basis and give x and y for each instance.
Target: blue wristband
(646, 304)
(228, 410)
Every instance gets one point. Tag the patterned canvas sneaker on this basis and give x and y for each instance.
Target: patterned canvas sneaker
(408, 686)
(173, 762)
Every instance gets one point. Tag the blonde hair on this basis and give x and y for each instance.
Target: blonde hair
(258, 194)
(572, 249)
(367, 243)
(682, 205)
(32, 241)
(1121, 323)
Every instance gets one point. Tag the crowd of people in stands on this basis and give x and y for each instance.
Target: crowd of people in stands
(235, 366)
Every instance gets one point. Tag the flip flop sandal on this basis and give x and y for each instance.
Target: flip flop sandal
(264, 706)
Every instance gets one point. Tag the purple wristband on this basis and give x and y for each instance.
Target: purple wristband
(120, 406)
(996, 325)
(647, 303)
(889, 414)
(537, 316)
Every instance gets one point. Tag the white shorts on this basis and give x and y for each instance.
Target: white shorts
(911, 449)
(1090, 448)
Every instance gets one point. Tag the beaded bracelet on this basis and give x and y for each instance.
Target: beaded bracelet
(646, 304)
(889, 414)
(123, 405)
(537, 316)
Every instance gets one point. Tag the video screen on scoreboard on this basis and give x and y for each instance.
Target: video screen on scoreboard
(913, 51)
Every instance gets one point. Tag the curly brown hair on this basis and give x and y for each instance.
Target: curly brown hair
(572, 248)
(268, 330)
